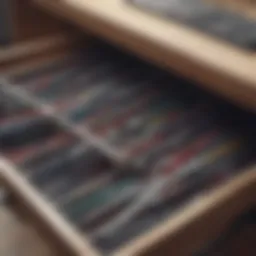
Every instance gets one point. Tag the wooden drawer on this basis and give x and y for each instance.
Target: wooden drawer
(197, 222)
(190, 53)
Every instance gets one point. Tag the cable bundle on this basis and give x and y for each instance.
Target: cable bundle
(125, 144)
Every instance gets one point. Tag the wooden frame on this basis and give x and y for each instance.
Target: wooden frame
(43, 211)
(217, 66)
(17, 227)
(219, 207)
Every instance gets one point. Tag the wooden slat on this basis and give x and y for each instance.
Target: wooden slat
(69, 238)
(18, 237)
(18, 57)
(216, 65)
(42, 46)
(201, 221)
(28, 65)
(33, 47)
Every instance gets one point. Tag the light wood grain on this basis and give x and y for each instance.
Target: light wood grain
(197, 223)
(55, 224)
(201, 221)
(36, 46)
(30, 22)
(18, 238)
(216, 65)
(40, 48)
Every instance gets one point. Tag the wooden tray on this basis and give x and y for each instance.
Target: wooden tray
(206, 217)
(194, 225)
(217, 66)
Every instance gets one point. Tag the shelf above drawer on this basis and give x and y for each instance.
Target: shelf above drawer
(217, 66)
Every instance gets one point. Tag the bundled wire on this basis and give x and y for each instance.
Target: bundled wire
(174, 140)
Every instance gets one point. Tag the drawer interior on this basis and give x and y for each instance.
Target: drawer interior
(116, 155)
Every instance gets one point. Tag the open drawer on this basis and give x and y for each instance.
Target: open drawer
(214, 64)
(51, 89)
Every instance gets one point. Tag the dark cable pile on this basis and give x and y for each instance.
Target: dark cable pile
(176, 141)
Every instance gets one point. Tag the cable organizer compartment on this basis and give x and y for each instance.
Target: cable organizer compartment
(116, 157)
